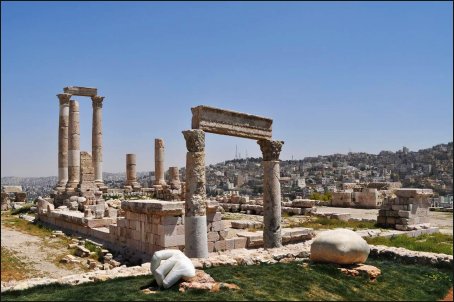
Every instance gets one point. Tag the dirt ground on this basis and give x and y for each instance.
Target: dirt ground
(35, 252)
(442, 220)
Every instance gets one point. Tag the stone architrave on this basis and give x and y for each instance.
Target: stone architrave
(131, 175)
(271, 193)
(196, 240)
(232, 123)
(159, 162)
(175, 183)
(96, 139)
(81, 91)
(73, 145)
(63, 139)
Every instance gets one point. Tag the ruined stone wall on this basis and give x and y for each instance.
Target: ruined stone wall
(367, 199)
(341, 199)
(407, 211)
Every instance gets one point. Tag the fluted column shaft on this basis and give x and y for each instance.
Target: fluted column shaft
(271, 193)
(196, 240)
(96, 138)
(63, 123)
(73, 145)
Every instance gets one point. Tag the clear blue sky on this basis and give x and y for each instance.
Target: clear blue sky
(335, 77)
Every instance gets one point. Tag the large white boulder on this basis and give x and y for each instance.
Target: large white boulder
(339, 246)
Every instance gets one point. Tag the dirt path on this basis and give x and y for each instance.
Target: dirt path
(33, 251)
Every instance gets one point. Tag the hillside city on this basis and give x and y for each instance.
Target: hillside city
(427, 168)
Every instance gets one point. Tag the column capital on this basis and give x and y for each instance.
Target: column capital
(64, 98)
(195, 140)
(97, 101)
(270, 149)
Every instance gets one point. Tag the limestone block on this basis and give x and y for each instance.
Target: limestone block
(212, 217)
(340, 216)
(240, 243)
(339, 246)
(213, 236)
(210, 246)
(404, 214)
(410, 192)
(303, 203)
(171, 220)
(168, 241)
(219, 245)
(229, 244)
(232, 123)
(81, 91)
(216, 226)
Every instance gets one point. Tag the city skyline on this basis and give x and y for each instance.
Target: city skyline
(359, 77)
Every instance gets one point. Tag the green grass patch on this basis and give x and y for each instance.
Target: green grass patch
(22, 210)
(435, 243)
(325, 223)
(268, 282)
(24, 226)
(94, 248)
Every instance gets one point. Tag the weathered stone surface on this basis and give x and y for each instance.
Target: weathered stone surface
(175, 183)
(63, 128)
(270, 149)
(339, 246)
(80, 91)
(73, 145)
(357, 269)
(203, 281)
(303, 203)
(271, 205)
(226, 122)
(96, 138)
(131, 175)
(153, 206)
(11, 189)
(159, 161)
(195, 140)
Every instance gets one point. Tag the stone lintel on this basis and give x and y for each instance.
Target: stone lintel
(153, 206)
(81, 91)
(226, 122)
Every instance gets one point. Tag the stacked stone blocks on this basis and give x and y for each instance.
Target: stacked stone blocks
(409, 210)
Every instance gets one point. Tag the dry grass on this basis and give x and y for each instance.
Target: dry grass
(12, 268)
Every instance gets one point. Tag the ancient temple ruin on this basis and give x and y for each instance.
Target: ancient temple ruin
(177, 214)
(225, 122)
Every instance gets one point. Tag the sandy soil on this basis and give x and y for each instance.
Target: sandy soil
(33, 251)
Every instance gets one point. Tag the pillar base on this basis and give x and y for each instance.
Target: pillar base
(196, 239)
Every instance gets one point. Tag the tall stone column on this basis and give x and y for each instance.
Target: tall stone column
(96, 138)
(131, 174)
(175, 183)
(63, 123)
(271, 193)
(73, 145)
(196, 240)
(159, 162)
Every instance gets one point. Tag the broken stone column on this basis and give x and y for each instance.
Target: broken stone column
(131, 175)
(96, 138)
(63, 124)
(73, 146)
(159, 162)
(175, 183)
(87, 185)
(196, 240)
(271, 193)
